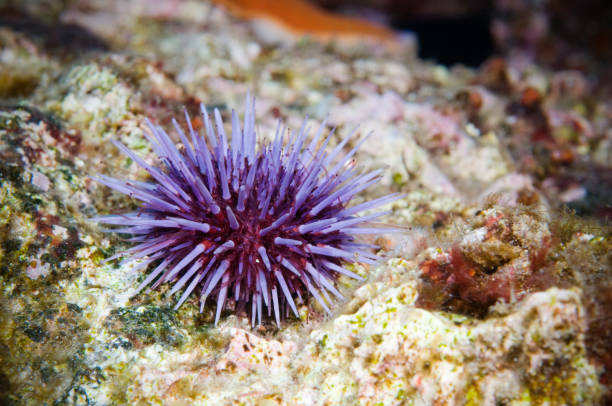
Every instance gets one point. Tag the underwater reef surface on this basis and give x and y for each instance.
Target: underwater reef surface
(497, 290)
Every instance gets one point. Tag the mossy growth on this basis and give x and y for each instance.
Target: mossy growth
(85, 83)
(146, 325)
(16, 225)
(585, 256)
(42, 336)
(27, 238)
(49, 362)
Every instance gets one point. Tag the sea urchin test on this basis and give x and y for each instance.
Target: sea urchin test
(260, 224)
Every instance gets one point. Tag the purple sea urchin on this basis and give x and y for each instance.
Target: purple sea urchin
(258, 224)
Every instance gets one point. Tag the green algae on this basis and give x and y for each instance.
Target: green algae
(49, 335)
(146, 325)
(94, 99)
(43, 335)
(15, 226)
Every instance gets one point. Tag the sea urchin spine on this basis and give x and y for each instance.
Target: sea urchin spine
(263, 224)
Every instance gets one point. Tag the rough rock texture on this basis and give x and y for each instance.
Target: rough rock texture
(389, 352)
(490, 294)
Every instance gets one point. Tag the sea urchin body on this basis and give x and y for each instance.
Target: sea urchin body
(257, 225)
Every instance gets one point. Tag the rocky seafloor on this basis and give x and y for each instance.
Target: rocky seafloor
(497, 291)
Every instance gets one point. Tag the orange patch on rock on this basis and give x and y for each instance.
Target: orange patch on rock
(299, 17)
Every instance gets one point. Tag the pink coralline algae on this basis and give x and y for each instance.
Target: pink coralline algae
(256, 225)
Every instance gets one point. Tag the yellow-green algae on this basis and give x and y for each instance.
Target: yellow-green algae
(43, 334)
(388, 349)
(92, 98)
